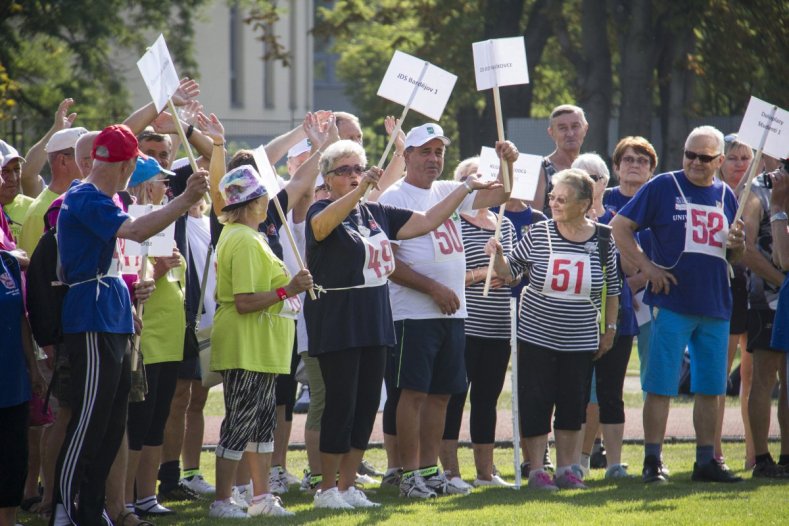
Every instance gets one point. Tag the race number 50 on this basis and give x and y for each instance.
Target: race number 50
(447, 238)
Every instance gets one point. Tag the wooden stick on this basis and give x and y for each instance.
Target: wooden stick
(743, 198)
(293, 245)
(497, 235)
(140, 306)
(505, 169)
(184, 141)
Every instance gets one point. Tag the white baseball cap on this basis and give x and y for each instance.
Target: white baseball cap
(64, 139)
(425, 133)
(8, 153)
(302, 146)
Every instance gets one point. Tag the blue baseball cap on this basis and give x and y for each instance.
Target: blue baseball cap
(147, 169)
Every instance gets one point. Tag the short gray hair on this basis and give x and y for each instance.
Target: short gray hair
(463, 169)
(338, 150)
(579, 181)
(592, 164)
(708, 131)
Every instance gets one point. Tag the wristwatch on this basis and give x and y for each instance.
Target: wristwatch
(778, 216)
(611, 326)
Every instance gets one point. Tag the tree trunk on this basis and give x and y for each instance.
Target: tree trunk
(676, 86)
(595, 75)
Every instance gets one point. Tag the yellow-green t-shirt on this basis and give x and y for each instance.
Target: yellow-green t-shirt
(258, 341)
(16, 211)
(33, 224)
(164, 319)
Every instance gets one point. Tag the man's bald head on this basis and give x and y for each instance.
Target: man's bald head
(82, 152)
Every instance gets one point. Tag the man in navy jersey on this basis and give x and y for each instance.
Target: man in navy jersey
(689, 213)
(428, 306)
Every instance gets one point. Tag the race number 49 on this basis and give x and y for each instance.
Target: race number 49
(381, 261)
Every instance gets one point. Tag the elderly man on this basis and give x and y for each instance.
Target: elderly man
(567, 130)
(689, 213)
(428, 306)
(63, 165)
(14, 203)
(97, 319)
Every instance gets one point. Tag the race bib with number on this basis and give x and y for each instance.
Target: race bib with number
(569, 277)
(447, 242)
(706, 230)
(379, 260)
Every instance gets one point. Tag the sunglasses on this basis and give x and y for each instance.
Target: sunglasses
(692, 156)
(596, 177)
(347, 170)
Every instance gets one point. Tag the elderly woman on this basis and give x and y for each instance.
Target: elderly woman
(487, 345)
(162, 344)
(560, 318)
(738, 157)
(349, 328)
(252, 338)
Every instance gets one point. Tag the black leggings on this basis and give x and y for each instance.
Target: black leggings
(13, 454)
(610, 373)
(353, 390)
(392, 391)
(285, 389)
(486, 367)
(147, 419)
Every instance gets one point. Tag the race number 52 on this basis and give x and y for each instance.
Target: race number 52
(706, 226)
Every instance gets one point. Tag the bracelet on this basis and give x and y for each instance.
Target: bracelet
(473, 276)
(282, 294)
(189, 131)
(397, 154)
(468, 186)
(778, 216)
(611, 326)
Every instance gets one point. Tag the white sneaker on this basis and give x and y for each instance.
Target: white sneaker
(240, 496)
(225, 509)
(276, 483)
(461, 485)
(330, 499)
(289, 478)
(495, 480)
(365, 479)
(268, 505)
(199, 485)
(357, 499)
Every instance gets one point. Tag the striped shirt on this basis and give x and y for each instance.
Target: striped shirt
(487, 317)
(558, 323)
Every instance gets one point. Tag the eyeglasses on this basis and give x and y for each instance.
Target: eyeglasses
(640, 161)
(692, 156)
(321, 188)
(560, 200)
(347, 170)
(596, 177)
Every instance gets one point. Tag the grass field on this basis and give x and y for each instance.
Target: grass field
(622, 502)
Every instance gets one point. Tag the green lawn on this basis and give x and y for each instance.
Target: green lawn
(624, 502)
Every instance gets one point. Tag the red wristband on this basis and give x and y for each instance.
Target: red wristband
(282, 294)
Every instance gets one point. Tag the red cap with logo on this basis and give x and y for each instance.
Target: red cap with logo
(115, 144)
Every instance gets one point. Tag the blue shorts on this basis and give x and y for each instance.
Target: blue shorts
(707, 340)
(431, 355)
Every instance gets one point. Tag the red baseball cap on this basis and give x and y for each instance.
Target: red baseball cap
(115, 144)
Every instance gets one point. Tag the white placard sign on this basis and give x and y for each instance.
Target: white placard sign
(159, 245)
(158, 72)
(500, 62)
(430, 85)
(266, 171)
(757, 119)
(526, 168)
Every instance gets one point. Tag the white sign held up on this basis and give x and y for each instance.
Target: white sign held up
(159, 245)
(757, 119)
(526, 172)
(158, 72)
(266, 171)
(500, 62)
(417, 84)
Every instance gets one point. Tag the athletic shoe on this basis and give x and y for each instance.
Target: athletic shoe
(713, 471)
(225, 509)
(365, 479)
(366, 468)
(392, 477)
(270, 505)
(653, 470)
(413, 486)
(179, 493)
(330, 499)
(540, 479)
(302, 404)
(308, 483)
(770, 470)
(569, 480)
(617, 471)
(357, 499)
(198, 484)
(241, 495)
(598, 459)
(495, 481)
(288, 478)
(150, 507)
(579, 471)
(276, 482)
(525, 470)
(457, 482)
(438, 482)
(547, 465)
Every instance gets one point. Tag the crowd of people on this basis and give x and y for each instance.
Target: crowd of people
(384, 284)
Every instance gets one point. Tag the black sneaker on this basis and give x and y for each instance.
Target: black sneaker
(525, 470)
(713, 471)
(178, 493)
(598, 459)
(366, 468)
(653, 470)
(768, 469)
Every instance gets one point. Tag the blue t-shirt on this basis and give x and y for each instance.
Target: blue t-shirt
(780, 336)
(87, 227)
(359, 315)
(702, 280)
(628, 325)
(14, 379)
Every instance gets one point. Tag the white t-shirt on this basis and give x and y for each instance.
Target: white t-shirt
(437, 255)
(199, 236)
(289, 258)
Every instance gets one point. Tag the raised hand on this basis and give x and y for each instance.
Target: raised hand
(211, 126)
(64, 119)
(390, 123)
(315, 130)
(188, 89)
